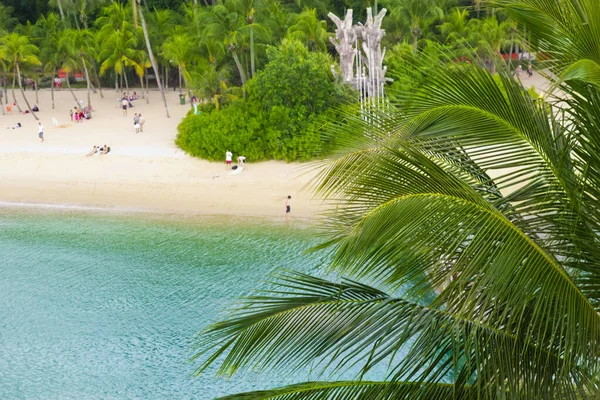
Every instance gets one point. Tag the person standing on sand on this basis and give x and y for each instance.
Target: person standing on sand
(136, 123)
(228, 158)
(530, 70)
(288, 206)
(41, 132)
(124, 104)
(142, 122)
(71, 114)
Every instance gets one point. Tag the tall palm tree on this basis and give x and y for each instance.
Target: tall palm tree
(20, 52)
(152, 60)
(50, 53)
(491, 36)
(310, 30)
(181, 51)
(468, 222)
(415, 15)
(83, 43)
(70, 61)
(118, 52)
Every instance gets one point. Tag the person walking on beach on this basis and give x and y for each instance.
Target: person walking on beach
(124, 104)
(71, 114)
(288, 206)
(530, 70)
(228, 158)
(41, 132)
(519, 70)
(136, 123)
(142, 122)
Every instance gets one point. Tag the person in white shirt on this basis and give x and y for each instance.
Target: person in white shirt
(41, 132)
(228, 158)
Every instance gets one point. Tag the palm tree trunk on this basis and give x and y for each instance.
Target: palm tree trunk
(180, 79)
(23, 94)
(116, 82)
(415, 44)
(52, 86)
(134, 9)
(142, 84)
(89, 83)
(252, 66)
(126, 83)
(147, 89)
(5, 85)
(37, 99)
(152, 60)
(97, 79)
(510, 52)
(72, 92)
(1, 102)
(13, 90)
(239, 67)
(60, 9)
(166, 79)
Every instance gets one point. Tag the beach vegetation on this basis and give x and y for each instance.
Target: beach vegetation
(287, 106)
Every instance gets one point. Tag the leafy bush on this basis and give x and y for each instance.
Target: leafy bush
(289, 102)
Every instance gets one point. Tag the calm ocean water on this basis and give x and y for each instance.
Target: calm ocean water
(100, 305)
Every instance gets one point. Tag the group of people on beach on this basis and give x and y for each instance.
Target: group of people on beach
(519, 70)
(99, 149)
(125, 102)
(241, 160)
(78, 114)
(138, 122)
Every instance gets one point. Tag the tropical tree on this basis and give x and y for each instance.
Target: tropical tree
(20, 52)
(180, 50)
(83, 42)
(118, 51)
(490, 36)
(70, 61)
(48, 29)
(468, 224)
(310, 30)
(151, 56)
(416, 16)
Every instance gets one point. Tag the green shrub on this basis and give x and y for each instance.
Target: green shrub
(289, 102)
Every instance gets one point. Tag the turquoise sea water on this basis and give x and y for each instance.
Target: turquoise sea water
(100, 305)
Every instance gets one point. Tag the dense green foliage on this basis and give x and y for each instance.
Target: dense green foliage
(288, 104)
(467, 221)
(217, 50)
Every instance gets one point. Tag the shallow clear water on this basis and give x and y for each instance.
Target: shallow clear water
(106, 306)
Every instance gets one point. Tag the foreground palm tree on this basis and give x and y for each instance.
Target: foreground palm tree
(469, 222)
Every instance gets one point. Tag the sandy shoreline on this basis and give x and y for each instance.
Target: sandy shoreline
(142, 172)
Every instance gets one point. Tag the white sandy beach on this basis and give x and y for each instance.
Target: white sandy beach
(143, 171)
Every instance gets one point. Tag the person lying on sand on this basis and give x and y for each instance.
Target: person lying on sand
(104, 149)
(94, 151)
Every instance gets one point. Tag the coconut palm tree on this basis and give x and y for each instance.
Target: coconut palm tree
(180, 49)
(20, 52)
(48, 28)
(310, 30)
(118, 51)
(490, 36)
(70, 61)
(468, 225)
(152, 60)
(83, 42)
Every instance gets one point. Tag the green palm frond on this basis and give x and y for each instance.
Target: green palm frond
(364, 390)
